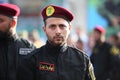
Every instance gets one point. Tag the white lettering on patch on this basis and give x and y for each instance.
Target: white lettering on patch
(25, 51)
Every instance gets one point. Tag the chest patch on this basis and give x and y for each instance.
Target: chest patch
(46, 66)
(25, 51)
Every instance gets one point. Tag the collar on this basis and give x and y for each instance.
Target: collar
(56, 49)
(12, 38)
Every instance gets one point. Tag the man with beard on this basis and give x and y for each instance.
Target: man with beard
(105, 57)
(12, 48)
(56, 60)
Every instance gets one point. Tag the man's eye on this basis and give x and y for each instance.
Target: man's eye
(62, 26)
(52, 26)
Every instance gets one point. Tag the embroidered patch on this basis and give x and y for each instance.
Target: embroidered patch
(50, 10)
(46, 66)
(25, 51)
(114, 50)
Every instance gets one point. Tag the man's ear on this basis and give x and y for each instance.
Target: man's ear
(44, 28)
(70, 27)
(13, 23)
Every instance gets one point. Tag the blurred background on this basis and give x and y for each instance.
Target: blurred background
(88, 14)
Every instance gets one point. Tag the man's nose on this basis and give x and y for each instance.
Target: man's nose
(58, 30)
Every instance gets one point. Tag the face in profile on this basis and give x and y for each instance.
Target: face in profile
(5, 24)
(96, 35)
(57, 30)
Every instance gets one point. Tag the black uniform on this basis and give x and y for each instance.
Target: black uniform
(104, 59)
(56, 63)
(12, 50)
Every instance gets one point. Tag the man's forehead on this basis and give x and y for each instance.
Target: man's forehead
(3, 16)
(56, 19)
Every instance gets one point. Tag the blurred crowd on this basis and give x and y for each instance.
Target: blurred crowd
(85, 41)
(33, 37)
(110, 10)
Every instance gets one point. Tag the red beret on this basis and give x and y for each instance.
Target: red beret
(56, 11)
(100, 29)
(10, 10)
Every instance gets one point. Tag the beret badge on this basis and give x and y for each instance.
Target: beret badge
(50, 10)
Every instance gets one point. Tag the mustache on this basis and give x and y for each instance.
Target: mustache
(58, 35)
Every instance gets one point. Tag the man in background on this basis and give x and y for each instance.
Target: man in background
(104, 56)
(12, 48)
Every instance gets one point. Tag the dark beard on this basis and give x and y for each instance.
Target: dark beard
(5, 35)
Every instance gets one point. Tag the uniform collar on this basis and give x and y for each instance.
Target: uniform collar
(12, 38)
(56, 49)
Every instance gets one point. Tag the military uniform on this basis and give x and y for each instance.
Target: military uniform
(59, 62)
(56, 63)
(12, 51)
(12, 48)
(104, 59)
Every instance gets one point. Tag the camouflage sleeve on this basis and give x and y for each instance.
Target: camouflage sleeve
(90, 72)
